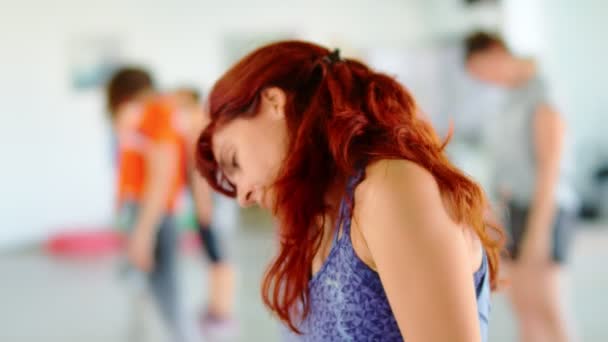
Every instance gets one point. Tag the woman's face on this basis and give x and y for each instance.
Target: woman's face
(492, 66)
(250, 151)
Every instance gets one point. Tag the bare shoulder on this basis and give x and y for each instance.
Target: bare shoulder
(398, 180)
(402, 195)
(419, 252)
(398, 193)
(390, 170)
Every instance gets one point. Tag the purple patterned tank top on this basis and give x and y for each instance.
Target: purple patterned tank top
(347, 300)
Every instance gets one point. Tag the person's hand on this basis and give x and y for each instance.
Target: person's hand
(140, 250)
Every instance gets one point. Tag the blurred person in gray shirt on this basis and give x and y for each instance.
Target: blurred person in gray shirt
(531, 178)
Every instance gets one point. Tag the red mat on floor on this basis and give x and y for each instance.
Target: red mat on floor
(79, 243)
(85, 243)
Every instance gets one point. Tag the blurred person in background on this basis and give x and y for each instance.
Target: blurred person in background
(151, 175)
(531, 180)
(381, 237)
(217, 318)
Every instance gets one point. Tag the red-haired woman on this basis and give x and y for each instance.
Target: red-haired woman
(381, 237)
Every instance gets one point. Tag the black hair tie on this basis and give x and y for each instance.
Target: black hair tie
(333, 57)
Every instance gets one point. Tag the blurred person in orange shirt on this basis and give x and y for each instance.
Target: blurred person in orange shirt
(151, 176)
(532, 179)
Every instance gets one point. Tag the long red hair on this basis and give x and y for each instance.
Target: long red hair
(341, 116)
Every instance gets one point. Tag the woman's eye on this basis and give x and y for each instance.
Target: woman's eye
(235, 164)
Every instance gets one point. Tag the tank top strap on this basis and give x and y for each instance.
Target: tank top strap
(348, 202)
(482, 271)
(341, 218)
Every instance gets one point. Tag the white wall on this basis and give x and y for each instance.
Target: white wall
(54, 142)
(577, 54)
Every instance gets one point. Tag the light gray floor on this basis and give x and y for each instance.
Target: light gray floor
(57, 300)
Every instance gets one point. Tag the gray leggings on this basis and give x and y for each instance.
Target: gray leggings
(162, 281)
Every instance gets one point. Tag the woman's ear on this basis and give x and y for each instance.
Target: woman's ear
(275, 98)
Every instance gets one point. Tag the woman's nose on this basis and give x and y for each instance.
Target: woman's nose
(245, 198)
